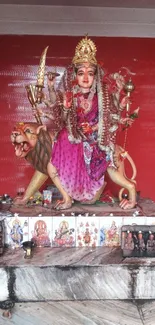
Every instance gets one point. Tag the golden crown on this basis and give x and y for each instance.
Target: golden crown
(85, 51)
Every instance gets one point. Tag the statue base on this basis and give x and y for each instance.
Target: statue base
(77, 254)
(62, 274)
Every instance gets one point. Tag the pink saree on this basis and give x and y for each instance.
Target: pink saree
(81, 166)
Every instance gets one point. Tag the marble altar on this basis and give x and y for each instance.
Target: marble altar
(103, 312)
(88, 267)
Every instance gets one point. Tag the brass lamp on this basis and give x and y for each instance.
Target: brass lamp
(28, 246)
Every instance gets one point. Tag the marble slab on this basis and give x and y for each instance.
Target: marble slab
(72, 283)
(4, 292)
(76, 274)
(147, 311)
(144, 283)
(62, 256)
(103, 312)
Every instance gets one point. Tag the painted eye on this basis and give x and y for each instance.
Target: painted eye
(28, 131)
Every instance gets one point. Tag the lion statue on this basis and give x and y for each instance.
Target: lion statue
(34, 142)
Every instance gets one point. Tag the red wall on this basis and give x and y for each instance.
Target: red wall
(19, 59)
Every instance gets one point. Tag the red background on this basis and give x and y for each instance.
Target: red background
(19, 59)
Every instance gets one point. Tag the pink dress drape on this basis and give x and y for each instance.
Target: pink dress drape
(81, 167)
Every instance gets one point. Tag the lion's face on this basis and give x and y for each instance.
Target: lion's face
(24, 138)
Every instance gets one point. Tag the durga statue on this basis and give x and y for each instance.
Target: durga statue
(82, 147)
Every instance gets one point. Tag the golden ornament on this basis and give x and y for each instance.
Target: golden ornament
(85, 51)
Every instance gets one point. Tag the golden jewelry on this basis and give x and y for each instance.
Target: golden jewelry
(85, 51)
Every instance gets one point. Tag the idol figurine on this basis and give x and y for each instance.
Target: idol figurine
(82, 148)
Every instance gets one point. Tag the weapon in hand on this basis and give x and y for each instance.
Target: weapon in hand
(32, 99)
(128, 88)
(40, 76)
(132, 116)
(34, 92)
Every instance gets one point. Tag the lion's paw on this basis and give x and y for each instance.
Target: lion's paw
(127, 204)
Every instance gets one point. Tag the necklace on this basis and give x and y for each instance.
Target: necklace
(86, 101)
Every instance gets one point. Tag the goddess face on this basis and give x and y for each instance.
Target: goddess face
(85, 76)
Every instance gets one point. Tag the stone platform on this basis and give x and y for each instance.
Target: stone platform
(145, 206)
(103, 312)
(80, 258)
(69, 274)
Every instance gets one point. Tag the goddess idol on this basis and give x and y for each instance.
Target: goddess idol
(87, 117)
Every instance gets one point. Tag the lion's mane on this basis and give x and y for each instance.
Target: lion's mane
(40, 155)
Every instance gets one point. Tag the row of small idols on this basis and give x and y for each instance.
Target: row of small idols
(63, 231)
(138, 239)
